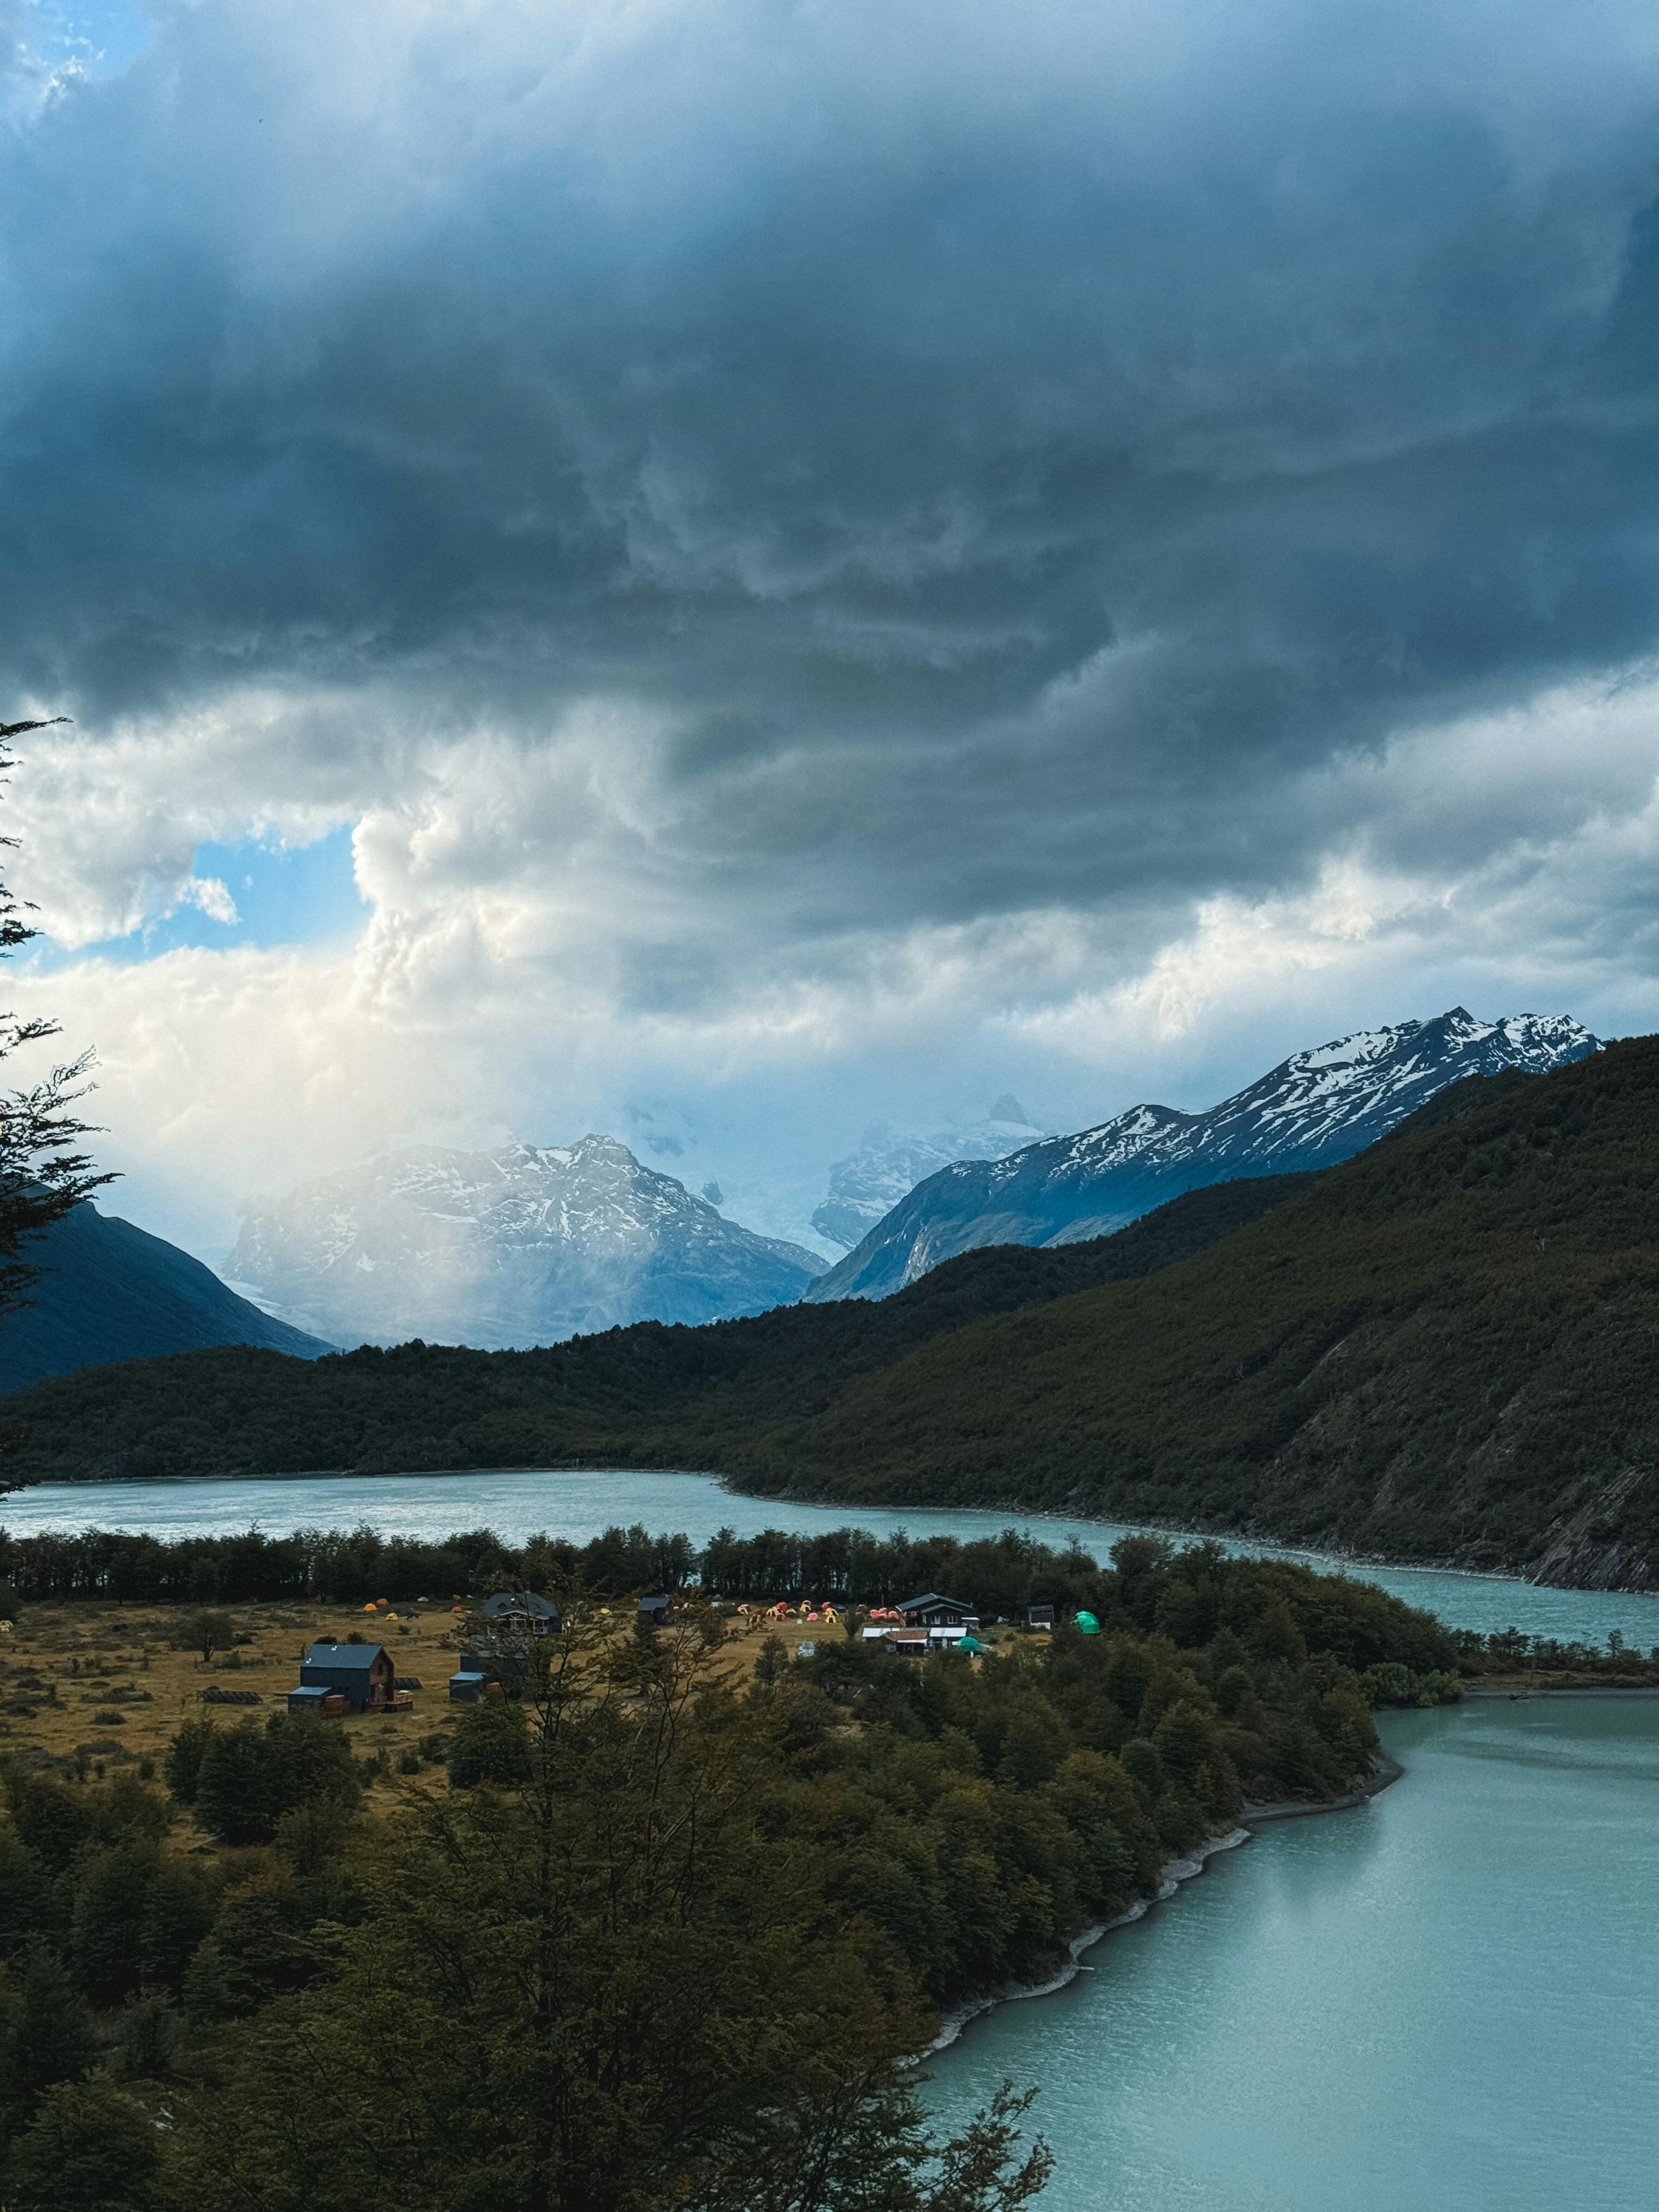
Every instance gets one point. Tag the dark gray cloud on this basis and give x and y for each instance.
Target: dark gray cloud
(1062, 443)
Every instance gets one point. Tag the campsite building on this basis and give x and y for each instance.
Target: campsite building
(361, 1674)
(522, 1609)
(931, 1610)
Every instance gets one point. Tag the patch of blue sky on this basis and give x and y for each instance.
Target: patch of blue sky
(282, 895)
(99, 37)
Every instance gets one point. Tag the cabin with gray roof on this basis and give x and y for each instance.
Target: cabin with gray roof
(361, 1674)
(932, 1610)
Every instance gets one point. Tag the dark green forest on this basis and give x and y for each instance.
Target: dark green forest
(1444, 1348)
(660, 1929)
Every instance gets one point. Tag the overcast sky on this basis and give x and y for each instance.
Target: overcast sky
(724, 571)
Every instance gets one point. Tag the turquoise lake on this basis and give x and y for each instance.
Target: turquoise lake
(1445, 2002)
(516, 1501)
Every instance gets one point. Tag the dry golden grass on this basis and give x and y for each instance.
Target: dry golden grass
(65, 1665)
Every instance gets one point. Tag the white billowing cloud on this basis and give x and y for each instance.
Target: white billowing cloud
(524, 898)
(212, 897)
(1515, 856)
(109, 828)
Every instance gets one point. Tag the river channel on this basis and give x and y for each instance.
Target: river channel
(515, 1502)
(1446, 2001)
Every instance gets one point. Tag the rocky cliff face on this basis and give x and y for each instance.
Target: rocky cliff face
(865, 1187)
(1318, 1107)
(525, 1245)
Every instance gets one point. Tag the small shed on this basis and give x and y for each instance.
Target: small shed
(908, 1643)
(466, 1687)
(307, 1700)
(933, 1610)
(655, 1612)
(361, 1674)
(1040, 1616)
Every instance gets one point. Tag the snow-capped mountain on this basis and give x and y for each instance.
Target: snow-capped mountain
(1316, 1108)
(517, 1247)
(890, 1164)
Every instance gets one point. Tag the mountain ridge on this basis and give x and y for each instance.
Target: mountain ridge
(1318, 1106)
(1442, 1350)
(889, 1163)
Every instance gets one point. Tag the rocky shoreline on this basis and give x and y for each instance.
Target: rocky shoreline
(1175, 1872)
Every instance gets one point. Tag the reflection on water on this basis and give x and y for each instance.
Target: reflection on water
(577, 1504)
(1446, 2002)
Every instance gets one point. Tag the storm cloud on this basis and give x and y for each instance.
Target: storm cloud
(800, 535)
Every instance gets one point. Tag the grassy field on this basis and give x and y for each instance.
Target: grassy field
(105, 1686)
(107, 1682)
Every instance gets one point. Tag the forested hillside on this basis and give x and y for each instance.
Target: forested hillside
(425, 1406)
(1444, 1348)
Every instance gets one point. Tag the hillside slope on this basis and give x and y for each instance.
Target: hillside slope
(1446, 1348)
(110, 1291)
(1317, 1107)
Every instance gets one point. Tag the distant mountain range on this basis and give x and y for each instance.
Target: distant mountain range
(890, 1164)
(108, 1291)
(1316, 1108)
(1442, 1349)
(525, 1245)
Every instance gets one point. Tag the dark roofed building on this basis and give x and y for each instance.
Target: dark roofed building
(931, 1610)
(522, 1606)
(655, 1612)
(361, 1674)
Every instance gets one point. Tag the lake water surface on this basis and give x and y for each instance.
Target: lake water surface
(516, 1501)
(1446, 2001)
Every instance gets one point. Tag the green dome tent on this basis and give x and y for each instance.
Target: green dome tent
(1087, 1625)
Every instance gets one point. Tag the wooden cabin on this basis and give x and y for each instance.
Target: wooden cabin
(361, 1674)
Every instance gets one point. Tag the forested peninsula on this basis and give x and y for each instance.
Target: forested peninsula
(663, 1923)
(1442, 1349)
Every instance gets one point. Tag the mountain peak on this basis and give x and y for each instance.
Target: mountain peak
(522, 1245)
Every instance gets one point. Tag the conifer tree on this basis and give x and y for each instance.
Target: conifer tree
(42, 1174)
